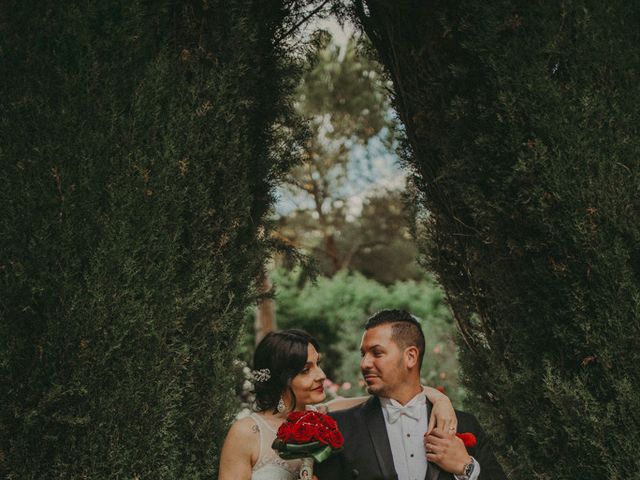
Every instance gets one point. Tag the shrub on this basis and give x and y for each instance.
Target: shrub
(138, 157)
(521, 122)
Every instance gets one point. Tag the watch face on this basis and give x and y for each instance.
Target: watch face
(468, 469)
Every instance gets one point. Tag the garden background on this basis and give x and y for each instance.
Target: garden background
(168, 166)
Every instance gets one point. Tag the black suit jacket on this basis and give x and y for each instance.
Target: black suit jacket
(367, 453)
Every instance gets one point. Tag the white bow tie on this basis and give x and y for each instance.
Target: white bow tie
(414, 411)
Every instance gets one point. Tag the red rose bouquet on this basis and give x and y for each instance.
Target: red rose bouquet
(308, 434)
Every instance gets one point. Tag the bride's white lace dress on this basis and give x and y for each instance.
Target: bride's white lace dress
(269, 465)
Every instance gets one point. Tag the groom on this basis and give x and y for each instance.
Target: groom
(384, 437)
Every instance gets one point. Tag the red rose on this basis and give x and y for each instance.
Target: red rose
(285, 432)
(469, 439)
(330, 422)
(295, 416)
(322, 435)
(302, 432)
(313, 417)
(335, 439)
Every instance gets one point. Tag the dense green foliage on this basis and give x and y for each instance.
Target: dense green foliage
(138, 157)
(334, 311)
(522, 127)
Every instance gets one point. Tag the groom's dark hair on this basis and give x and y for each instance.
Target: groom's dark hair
(405, 329)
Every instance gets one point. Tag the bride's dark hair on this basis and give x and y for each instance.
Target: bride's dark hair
(284, 353)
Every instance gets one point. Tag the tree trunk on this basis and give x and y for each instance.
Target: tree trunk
(265, 311)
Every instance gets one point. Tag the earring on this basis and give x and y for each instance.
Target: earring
(281, 406)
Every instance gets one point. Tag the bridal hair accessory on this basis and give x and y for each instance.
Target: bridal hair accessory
(261, 375)
(281, 406)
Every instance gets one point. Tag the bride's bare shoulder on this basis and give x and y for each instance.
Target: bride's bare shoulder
(240, 450)
(245, 428)
(243, 441)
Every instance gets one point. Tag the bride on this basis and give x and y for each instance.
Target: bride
(288, 377)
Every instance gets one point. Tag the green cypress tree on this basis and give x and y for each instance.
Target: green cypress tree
(139, 150)
(522, 131)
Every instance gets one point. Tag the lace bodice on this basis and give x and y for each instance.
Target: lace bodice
(269, 465)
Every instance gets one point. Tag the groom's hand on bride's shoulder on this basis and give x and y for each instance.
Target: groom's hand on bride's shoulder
(447, 451)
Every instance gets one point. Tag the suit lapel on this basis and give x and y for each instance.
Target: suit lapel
(433, 471)
(379, 437)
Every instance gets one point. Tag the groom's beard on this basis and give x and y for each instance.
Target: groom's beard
(371, 390)
(382, 386)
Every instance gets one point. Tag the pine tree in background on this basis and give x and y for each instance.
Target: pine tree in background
(140, 145)
(522, 132)
(344, 98)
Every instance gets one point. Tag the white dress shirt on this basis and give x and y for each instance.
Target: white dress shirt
(406, 426)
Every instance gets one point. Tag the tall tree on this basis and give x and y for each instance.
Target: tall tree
(343, 94)
(375, 241)
(140, 146)
(522, 127)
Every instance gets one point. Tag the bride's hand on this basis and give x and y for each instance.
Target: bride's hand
(443, 415)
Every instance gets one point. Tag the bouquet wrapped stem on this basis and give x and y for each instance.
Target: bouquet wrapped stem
(306, 470)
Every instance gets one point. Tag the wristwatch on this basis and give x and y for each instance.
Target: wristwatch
(467, 470)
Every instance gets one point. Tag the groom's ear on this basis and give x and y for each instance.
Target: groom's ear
(411, 355)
